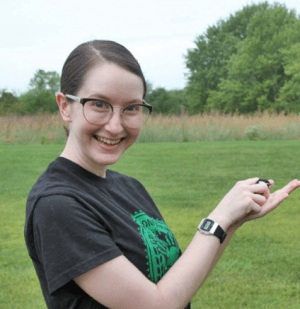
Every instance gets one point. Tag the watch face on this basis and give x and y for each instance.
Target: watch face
(206, 225)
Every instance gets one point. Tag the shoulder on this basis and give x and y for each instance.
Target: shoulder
(53, 176)
(122, 179)
(57, 205)
(63, 178)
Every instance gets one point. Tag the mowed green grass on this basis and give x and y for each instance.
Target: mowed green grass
(259, 269)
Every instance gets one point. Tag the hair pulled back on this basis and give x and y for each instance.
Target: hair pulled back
(85, 56)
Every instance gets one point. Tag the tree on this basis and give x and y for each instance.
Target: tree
(256, 71)
(38, 101)
(166, 102)
(41, 96)
(43, 80)
(289, 94)
(207, 62)
(8, 103)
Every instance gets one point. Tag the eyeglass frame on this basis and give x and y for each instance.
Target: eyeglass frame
(84, 100)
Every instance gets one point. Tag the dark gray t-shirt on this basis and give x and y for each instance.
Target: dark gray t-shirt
(76, 221)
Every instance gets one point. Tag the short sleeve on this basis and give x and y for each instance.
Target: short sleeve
(69, 239)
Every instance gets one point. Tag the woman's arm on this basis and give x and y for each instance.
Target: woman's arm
(230, 232)
(119, 284)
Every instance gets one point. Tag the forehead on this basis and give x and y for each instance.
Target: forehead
(112, 81)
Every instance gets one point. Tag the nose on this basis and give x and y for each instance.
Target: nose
(115, 124)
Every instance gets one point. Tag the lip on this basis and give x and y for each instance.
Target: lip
(102, 141)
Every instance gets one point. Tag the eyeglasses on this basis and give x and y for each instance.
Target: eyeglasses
(97, 111)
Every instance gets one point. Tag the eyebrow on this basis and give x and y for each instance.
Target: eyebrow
(107, 99)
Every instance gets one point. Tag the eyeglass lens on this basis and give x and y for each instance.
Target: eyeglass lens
(99, 112)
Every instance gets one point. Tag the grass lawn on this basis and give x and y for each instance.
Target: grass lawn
(259, 269)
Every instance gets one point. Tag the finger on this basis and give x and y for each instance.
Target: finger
(267, 193)
(256, 209)
(264, 209)
(265, 189)
(272, 202)
(271, 181)
(290, 187)
(259, 188)
(259, 199)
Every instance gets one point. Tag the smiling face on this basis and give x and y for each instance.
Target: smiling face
(95, 146)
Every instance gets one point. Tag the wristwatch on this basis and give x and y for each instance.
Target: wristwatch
(210, 227)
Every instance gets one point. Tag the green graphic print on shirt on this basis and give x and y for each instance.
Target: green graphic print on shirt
(161, 246)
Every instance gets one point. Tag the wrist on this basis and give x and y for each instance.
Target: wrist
(237, 224)
(233, 227)
(221, 221)
(211, 227)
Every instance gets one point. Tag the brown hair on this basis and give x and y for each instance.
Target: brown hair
(87, 55)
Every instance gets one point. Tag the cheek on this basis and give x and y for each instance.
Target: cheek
(135, 134)
(81, 130)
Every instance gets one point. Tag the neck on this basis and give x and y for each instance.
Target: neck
(71, 154)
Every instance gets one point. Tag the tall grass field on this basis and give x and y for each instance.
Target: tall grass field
(260, 269)
(48, 129)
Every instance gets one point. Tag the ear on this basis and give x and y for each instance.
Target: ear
(64, 107)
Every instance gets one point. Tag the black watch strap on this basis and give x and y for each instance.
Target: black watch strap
(220, 233)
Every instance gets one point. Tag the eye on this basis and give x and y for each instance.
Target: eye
(100, 104)
(132, 109)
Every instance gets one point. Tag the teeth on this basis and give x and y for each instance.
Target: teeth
(107, 141)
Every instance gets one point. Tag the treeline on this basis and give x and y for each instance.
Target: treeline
(40, 98)
(246, 63)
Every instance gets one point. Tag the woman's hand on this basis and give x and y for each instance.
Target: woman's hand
(243, 203)
(273, 200)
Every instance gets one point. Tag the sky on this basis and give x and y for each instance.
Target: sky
(40, 34)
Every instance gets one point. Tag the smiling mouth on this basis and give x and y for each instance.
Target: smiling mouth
(107, 141)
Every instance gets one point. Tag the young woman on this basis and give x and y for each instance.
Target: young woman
(96, 238)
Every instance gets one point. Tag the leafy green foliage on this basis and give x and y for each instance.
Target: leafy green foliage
(49, 81)
(256, 71)
(166, 102)
(289, 94)
(249, 68)
(41, 96)
(207, 63)
(38, 101)
(8, 103)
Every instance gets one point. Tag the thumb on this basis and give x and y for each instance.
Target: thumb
(272, 202)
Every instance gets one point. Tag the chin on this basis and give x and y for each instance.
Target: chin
(108, 161)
